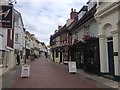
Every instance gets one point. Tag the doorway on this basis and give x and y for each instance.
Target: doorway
(53, 55)
(60, 56)
(110, 56)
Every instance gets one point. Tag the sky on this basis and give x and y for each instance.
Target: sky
(42, 17)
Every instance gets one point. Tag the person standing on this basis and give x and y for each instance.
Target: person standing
(32, 57)
(18, 59)
(46, 54)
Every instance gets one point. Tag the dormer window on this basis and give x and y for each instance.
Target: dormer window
(91, 4)
(82, 12)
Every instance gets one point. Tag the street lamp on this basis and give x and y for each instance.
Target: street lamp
(25, 45)
(25, 50)
(68, 46)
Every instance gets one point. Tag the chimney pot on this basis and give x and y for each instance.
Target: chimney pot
(73, 15)
(74, 10)
(71, 9)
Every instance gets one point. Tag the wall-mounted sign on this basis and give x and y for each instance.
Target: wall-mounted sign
(115, 53)
(6, 16)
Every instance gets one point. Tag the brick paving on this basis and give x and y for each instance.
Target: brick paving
(44, 74)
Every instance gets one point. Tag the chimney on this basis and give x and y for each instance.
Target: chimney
(74, 10)
(73, 14)
(71, 10)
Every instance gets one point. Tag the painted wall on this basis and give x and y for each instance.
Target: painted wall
(108, 27)
(4, 33)
(93, 28)
(80, 33)
(18, 30)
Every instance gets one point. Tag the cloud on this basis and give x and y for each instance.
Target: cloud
(42, 17)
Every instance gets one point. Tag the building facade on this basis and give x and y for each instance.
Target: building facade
(19, 41)
(107, 17)
(85, 42)
(93, 39)
(7, 47)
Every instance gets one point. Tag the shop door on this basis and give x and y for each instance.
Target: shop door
(53, 55)
(60, 56)
(111, 57)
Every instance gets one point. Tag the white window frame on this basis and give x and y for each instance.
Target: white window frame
(16, 37)
(11, 34)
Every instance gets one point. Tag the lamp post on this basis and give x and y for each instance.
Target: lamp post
(25, 45)
(25, 50)
(68, 46)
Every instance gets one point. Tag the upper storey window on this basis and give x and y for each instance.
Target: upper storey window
(82, 12)
(91, 4)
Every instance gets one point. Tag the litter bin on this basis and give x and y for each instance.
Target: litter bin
(25, 71)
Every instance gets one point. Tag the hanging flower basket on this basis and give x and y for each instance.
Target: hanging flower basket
(75, 40)
(88, 37)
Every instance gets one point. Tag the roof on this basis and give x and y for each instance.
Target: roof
(61, 31)
(17, 16)
(88, 15)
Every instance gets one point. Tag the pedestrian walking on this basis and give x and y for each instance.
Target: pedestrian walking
(32, 57)
(18, 59)
(46, 54)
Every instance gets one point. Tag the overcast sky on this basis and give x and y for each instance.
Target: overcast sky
(42, 17)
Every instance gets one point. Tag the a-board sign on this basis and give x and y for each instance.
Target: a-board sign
(72, 67)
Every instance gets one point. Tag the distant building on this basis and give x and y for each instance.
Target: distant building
(19, 34)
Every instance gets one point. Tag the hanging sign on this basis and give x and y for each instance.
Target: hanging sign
(6, 16)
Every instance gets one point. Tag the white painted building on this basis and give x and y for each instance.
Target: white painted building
(36, 49)
(43, 48)
(107, 17)
(27, 44)
(6, 46)
(18, 36)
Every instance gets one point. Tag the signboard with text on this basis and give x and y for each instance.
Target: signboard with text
(6, 17)
(72, 67)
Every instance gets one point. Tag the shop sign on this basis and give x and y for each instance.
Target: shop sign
(72, 67)
(6, 16)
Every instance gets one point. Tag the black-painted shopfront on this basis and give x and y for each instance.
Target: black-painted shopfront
(86, 55)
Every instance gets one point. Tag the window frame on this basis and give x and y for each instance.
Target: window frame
(16, 37)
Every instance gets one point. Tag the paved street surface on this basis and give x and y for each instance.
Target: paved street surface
(46, 74)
